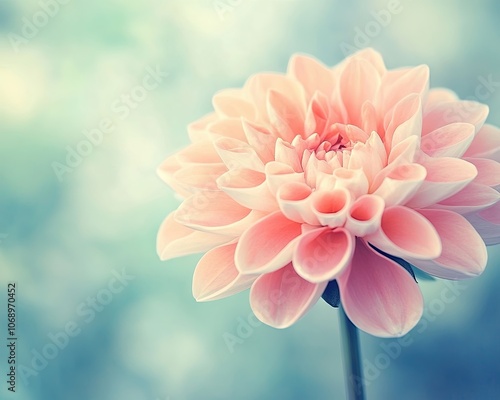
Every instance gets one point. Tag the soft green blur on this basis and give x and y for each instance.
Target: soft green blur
(67, 231)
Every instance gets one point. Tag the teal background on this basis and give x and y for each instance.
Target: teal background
(61, 239)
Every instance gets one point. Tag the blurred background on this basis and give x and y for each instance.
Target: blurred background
(74, 216)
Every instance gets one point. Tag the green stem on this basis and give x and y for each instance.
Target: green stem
(351, 357)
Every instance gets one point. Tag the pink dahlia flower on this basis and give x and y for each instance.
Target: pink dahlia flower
(334, 174)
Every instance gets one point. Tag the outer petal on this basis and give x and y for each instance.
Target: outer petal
(216, 275)
(464, 253)
(488, 171)
(312, 74)
(232, 103)
(215, 212)
(486, 143)
(175, 240)
(228, 128)
(406, 121)
(401, 183)
(445, 177)
(487, 224)
(455, 111)
(238, 154)
(261, 140)
(258, 86)
(359, 82)
(282, 297)
(378, 295)
(322, 254)
(197, 130)
(399, 83)
(437, 96)
(248, 188)
(474, 197)
(449, 141)
(267, 245)
(285, 115)
(406, 233)
(199, 176)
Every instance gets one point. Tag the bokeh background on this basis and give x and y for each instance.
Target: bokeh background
(63, 237)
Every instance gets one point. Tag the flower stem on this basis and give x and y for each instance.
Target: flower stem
(351, 357)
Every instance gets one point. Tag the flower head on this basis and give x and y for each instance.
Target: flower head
(299, 179)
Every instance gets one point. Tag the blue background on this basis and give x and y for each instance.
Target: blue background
(61, 239)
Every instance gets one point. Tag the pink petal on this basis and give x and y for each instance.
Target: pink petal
(280, 298)
(406, 233)
(449, 140)
(176, 240)
(488, 171)
(487, 224)
(200, 176)
(353, 180)
(322, 254)
(331, 207)
(464, 252)
(370, 157)
(286, 116)
(474, 197)
(201, 152)
(278, 174)
(378, 295)
(295, 202)
(258, 86)
(406, 121)
(261, 140)
(455, 111)
(486, 144)
(437, 96)
(166, 172)
(373, 57)
(398, 84)
(359, 82)
(312, 74)
(318, 114)
(197, 130)
(365, 215)
(405, 151)
(238, 154)
(401, 183)
(445, 177)
(267, 245)
(369, 117)
(231, 103)
(249, 188)
(215, 212)
(216, 276)
(285, 153)
(491, 214)
(227, 127)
